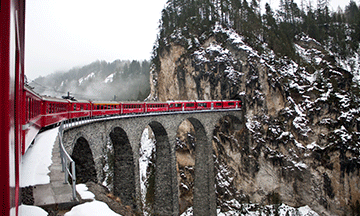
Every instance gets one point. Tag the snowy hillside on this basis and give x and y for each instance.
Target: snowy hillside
(100, 80)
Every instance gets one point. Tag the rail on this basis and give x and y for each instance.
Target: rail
(67, 162)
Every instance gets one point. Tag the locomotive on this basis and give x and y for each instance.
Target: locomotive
(24, 112)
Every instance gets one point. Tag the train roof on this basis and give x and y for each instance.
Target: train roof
(30, 89)
(106, 102)
(179, 101)
(183, 101)
(156, 102)
(132, 102)
(53, 99)
(79, 101)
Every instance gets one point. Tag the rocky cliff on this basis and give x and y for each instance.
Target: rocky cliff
(301, 142)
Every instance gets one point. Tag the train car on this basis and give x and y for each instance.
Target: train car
(156, 107)
(54, 110)
(176, 106)
(12, 34)
(208, 105)
(189, 105)
(101, 108)
(232, 104)
(132, 107)
(182, 105)
(79, 109)
(33, 118)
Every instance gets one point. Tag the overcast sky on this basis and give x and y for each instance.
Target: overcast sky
(62, 34)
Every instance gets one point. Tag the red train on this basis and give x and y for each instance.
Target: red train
(42, 112)
(24, 112)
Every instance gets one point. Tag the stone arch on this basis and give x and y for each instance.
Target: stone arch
(162, 181)
(124, 167)
(84, 161)
(203, 183)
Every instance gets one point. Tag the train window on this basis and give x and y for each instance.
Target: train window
(231, 104)
(218, 104)
(178, 105)
(74, 107)
(190, 105)
(81, 107)
(202, 104)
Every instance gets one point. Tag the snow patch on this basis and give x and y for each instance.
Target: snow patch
(31, 211)
(91, 75)
(37, 159)
(147, 150)
(84, 193)
(110, 78)
(93, 208)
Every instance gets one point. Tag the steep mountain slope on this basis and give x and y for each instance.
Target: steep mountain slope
(300, 144)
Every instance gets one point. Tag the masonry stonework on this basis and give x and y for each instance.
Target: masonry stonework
(164, 126)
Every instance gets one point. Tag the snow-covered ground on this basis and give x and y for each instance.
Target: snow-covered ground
(146, 151)
(92, 208)
(37, 160)
(35, 169)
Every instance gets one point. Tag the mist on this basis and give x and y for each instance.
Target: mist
(119, 80)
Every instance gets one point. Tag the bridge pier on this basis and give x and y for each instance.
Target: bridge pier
(129, 129)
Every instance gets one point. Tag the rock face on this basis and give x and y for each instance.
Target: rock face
(301, 143)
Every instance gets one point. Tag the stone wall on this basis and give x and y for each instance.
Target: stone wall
(165, 127)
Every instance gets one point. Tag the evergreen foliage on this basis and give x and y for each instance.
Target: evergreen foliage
(100, 80)
(185, 21)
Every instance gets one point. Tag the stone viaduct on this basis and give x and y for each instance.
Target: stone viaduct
(125, 133)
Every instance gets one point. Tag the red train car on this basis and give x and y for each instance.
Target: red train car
(176, 106)
(189, 105)
(232, 104)
(132, 107)
(101, 108)
(79, 108)
(156, 107)
(12, 32)
(33, 118)
(54, 110)
(182, 105)
(209, 105)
